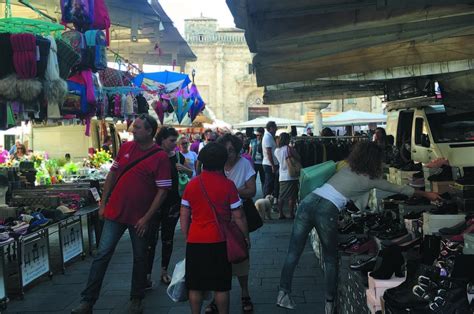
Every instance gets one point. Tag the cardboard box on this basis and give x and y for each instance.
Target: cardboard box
(441, 186)
(378, 287)
(432, 223)
(373, 303)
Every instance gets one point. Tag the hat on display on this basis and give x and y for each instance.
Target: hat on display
(6, 55)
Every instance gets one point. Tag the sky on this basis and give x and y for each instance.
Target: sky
(179, 10)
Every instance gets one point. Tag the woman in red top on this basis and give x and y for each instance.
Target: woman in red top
(207, 266)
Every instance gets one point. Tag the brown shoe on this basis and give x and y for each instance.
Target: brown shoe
(83, 308)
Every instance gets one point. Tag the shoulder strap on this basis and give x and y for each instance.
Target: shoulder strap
(212, 207)
(135, 162)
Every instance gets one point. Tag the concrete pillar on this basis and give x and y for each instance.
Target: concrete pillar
(220, 83)
(318, 118)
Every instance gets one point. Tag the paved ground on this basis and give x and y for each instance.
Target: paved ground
(269, 245)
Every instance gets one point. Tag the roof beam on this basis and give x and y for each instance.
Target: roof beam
(369, 59)
(417, 35)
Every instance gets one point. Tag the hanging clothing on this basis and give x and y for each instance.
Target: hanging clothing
(6, 55)
(24, 55)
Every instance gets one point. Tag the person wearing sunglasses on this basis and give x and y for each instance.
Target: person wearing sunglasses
(191, 157)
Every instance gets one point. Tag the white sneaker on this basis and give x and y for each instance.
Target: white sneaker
(284, 300)
(329, 308)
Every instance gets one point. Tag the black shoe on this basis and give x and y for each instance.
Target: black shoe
(404, 238)
(392, 263)
(364, 265)
(392, 233)
(410, 244)
(456, 229)
(445, 175)
(348, 243)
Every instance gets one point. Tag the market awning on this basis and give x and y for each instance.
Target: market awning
(317, 50)
(353, 117)
(262, 122)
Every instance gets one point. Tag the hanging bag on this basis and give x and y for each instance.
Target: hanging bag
(183, 178)
(293, 163)
(237, 250)
(96, 50)
(254, 221)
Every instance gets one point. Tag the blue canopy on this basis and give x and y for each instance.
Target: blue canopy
(165, 78)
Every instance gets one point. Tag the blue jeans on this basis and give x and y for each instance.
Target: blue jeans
(111, 234)
(314, 211)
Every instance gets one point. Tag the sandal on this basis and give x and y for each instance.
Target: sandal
(211, 308)
(165, 279)
(247, 305)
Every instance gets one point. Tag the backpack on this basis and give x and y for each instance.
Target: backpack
(77, 42)
(96, 51)
(78, 12)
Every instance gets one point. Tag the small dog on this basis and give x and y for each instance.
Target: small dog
(264, 207)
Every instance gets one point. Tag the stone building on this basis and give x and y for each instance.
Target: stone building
(227, 83)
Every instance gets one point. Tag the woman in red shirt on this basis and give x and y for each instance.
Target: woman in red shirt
(207, 266)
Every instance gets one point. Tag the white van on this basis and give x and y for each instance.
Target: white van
(432, 133)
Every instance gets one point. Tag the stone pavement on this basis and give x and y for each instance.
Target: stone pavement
(269, 245)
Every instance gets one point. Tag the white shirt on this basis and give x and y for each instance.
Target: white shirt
(328, 192)
(281, 153)
(268, 142)
(191, 158)
(201, 146)
(240, 173)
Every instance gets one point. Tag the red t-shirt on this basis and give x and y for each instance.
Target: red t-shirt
(135, 191)
(222, 193)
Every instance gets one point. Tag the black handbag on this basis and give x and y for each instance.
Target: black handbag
(254, 221)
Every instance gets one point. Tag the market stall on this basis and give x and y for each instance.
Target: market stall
(57, 87)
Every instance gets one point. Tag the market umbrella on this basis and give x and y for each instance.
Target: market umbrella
(262, 121)
(353, 117)
(165, 79)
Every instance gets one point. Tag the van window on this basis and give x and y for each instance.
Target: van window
(404, 126)
(419, 130)
(454, 128)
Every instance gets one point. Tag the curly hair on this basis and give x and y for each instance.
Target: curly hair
(164, 133)
(366, 158)
(234, 140)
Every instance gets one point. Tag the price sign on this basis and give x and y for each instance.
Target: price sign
(71, 236)
(35, 259)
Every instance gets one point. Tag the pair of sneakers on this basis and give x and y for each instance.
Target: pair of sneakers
(284, 300)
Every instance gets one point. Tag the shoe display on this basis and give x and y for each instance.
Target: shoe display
(392, 264)
(404, 238)
(365, 265)
(284, 300)
(360, 247)
(457, 229)
(445, 175)
(460, 237)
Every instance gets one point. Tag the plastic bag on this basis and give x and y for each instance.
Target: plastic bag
(177, 290)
